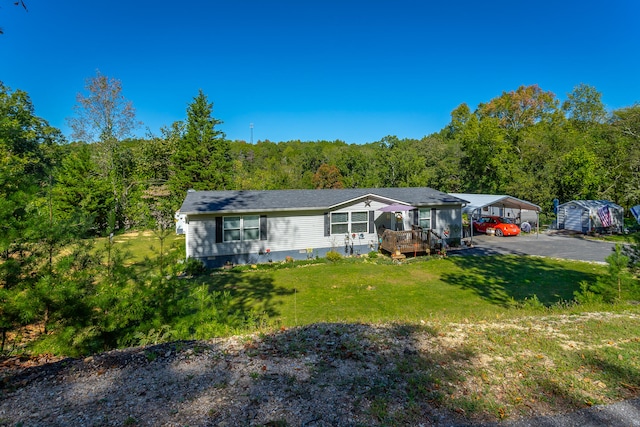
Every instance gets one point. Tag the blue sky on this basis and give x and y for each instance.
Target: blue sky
(318, 70)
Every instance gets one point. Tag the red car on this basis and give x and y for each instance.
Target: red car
(502, 226)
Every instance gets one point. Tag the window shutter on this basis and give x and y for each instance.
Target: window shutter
(218, 229)
(327, 224)
(433, 219)
(263, 227)
(372, 224)
(416, 216)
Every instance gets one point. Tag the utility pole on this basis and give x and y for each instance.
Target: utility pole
(251, 127)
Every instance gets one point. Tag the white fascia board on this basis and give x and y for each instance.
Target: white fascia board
(368, 196)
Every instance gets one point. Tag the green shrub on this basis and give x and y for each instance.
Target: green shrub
(373, 255)
(194, 267)
(533, 303)
(333, 256)
(586, 295)
(153, 336)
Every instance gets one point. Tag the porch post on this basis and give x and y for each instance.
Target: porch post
(471, 225)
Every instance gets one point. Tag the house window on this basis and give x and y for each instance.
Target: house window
(251, 227)
(339, 223)
(237, 228)
(349, 222)
(424, 218)
(359, 222)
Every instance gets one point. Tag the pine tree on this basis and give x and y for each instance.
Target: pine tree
(620, 281)
(201, 159)
(23, 169)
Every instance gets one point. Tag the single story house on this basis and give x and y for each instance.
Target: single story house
(590, 215)
(271, 225)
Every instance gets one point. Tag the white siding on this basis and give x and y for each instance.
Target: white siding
(450, 219)
(286, 231)
(574, 218)
(201, 236)
(306, 230)
(298, 231)
(303, 230)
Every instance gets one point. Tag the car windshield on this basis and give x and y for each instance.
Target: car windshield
(507, 220)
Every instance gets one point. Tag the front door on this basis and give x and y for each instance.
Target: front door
(386, 221)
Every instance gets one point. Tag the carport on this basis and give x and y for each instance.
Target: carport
(499, 205)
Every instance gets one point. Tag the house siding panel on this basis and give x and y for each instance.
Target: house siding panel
(300, 234)
(449, 219)
(201, 236)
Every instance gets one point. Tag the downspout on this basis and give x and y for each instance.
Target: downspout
(464, 205)
(471, 224)
(187, 237)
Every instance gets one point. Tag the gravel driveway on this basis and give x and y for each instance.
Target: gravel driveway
(625, 413)
(574, 247)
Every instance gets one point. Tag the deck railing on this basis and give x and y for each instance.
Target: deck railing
(407, 241)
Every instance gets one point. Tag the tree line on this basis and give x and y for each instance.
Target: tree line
(524, 143)
(56, 193)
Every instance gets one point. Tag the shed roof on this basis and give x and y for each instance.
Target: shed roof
(202, 202)
(593, 204)
(479, 201)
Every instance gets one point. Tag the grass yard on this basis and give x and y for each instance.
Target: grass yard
(490, 337)
(365, 291)
(138, 246)
(497, 336)
(619, 238)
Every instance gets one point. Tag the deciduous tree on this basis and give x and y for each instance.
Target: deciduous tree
(17, 3)
(523, 107)
(584, 105)
(104, 116)
(327, 176)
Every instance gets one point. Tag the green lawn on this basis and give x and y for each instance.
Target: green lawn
(138, 246)
(376, 290)
(366, 291)
(489, 347)
(496, 349)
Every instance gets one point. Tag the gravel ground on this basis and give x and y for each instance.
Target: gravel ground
(319, 375)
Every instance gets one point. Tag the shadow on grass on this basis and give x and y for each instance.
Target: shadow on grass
(218, 304)
(502, 279)
(249, 291)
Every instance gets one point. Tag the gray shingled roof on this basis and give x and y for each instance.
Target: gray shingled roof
(286, 200)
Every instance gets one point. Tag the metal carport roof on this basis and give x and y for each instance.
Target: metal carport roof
(479, 201)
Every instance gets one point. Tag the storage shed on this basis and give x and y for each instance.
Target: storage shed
(590, 215)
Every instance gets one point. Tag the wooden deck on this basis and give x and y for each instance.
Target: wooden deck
(410, 241)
